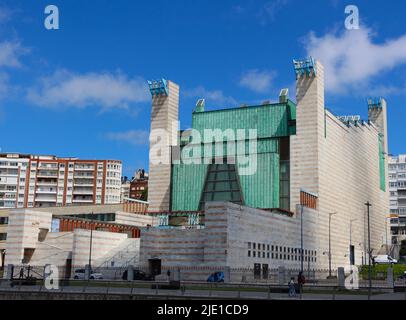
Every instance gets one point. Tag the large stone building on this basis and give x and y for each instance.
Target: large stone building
(277, 162)
(61, 236)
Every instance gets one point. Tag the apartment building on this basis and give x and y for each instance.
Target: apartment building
(45, 181)
(139, 185)
(397, 189)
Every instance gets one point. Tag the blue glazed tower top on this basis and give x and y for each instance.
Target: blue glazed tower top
(306, 66)
(375, 103)
(158, 87)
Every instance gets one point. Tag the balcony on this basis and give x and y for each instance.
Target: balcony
(46, 190)
(84, 168)
(46, 183)
(83, 183)
(45, 198)
(47, 174)
(48, 166)
(88, 191)
(82, 201)
(83, 175)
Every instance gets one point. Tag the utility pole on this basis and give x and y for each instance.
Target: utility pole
(386, 235)
(90, 249)
(301, 238)
(329, 243)
(369, 205)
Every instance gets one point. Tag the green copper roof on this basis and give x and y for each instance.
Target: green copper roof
(259, 190)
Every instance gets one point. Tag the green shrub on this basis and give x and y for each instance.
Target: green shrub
(379, 272)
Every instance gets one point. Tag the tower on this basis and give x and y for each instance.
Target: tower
(377, 113)
(163, 135)
(310, 116)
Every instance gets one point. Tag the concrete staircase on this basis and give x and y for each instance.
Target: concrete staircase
(55, 249)
(123, 255)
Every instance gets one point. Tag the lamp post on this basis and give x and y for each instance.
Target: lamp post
(301, 239)
(90, 249)
(329, 243)
(369, 205)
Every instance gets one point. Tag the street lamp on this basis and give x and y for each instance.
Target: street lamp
(90, 249)
(329, 243)
(369, 205)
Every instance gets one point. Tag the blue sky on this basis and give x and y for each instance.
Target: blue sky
(80, 90)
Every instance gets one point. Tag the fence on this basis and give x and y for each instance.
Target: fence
(243, 276)
(79, 289)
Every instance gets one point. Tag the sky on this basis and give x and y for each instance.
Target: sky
(81, 90)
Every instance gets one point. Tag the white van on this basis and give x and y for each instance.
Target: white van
(80, 275)
(384, 259)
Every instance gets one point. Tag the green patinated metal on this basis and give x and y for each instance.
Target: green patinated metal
(187, 186)
(259, 190)
(273, 120)
(382, 172)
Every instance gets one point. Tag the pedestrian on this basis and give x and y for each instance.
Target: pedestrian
(301, 281)
(168, 274)
(21, 273)
(292, 289)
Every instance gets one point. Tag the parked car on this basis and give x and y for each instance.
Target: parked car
(384, 259)
(138, 275)
(216, 277)
(80, 275)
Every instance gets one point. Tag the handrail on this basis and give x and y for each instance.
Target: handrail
(115, 255)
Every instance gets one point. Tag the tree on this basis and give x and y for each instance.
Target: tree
(402, 248)
(144, 195)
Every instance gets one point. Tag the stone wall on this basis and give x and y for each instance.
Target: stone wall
(340, 164)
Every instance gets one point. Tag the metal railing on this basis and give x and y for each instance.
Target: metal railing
(197, 290)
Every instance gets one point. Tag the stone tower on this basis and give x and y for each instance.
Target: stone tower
(377, 113)
(305, 145)
(163, 135)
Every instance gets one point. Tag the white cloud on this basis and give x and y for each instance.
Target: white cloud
(352, 59)
(258, 81)
(216, 96)
(10, 52)
(106, 90)
(135, 137)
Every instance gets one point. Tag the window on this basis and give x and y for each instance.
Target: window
(249, 253)
(3, 220)
(3, 236)
(221, 184)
